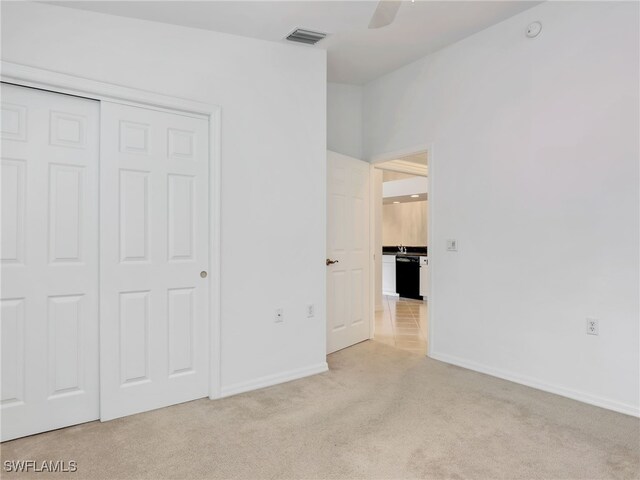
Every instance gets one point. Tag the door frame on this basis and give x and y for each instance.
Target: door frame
(392, 155)
(26, 76)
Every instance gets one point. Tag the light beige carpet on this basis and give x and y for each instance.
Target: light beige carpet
(379, 413)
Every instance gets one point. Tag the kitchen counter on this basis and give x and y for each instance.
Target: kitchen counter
(411, 251)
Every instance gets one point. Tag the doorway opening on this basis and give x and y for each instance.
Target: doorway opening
(400, 225)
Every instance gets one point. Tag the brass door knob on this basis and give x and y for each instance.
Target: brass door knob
(203, 274)
(331, 262)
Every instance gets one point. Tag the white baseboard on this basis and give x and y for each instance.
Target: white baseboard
(534, 383)
(274, 379)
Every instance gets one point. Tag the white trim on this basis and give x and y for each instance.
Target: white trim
(372, 253)
(432, 254)
(84, 87)
(535, 383)
(215, 266)
(402, 166)
(275, 379)
(403, 152)
(93, 89)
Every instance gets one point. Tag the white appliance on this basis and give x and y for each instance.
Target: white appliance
(424, 276)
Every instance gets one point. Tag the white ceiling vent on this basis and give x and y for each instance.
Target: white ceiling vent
(305, 36)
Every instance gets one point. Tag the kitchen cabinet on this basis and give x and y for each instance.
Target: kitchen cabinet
(389, 275)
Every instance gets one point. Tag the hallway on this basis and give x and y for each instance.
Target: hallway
(399, 324)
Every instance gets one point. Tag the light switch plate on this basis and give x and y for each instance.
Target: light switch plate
(452, 245)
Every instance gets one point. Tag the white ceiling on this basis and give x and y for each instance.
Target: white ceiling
(356, 54)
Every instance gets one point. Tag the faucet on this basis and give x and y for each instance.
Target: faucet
(402, 249)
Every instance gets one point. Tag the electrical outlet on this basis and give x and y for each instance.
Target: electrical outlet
(592, 326)
(279, 318)
(452, 245)
(311, 310)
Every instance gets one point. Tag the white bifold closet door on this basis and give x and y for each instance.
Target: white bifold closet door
(154, 288)
(49, 292)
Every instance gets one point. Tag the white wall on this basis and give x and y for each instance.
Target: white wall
(535, 172)
(405, 224)
(344, 119)
(273, 99)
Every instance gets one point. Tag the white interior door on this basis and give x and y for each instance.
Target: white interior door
(348, 281)
(154, 258)
(49, 293)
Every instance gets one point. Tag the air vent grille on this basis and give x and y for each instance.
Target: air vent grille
(305, 36)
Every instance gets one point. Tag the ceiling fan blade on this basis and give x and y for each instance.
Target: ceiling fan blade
(385, 13)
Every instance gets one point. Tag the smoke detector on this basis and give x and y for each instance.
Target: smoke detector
(534, 29)
(305, 36)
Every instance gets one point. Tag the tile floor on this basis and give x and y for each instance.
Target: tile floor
(398, 324)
